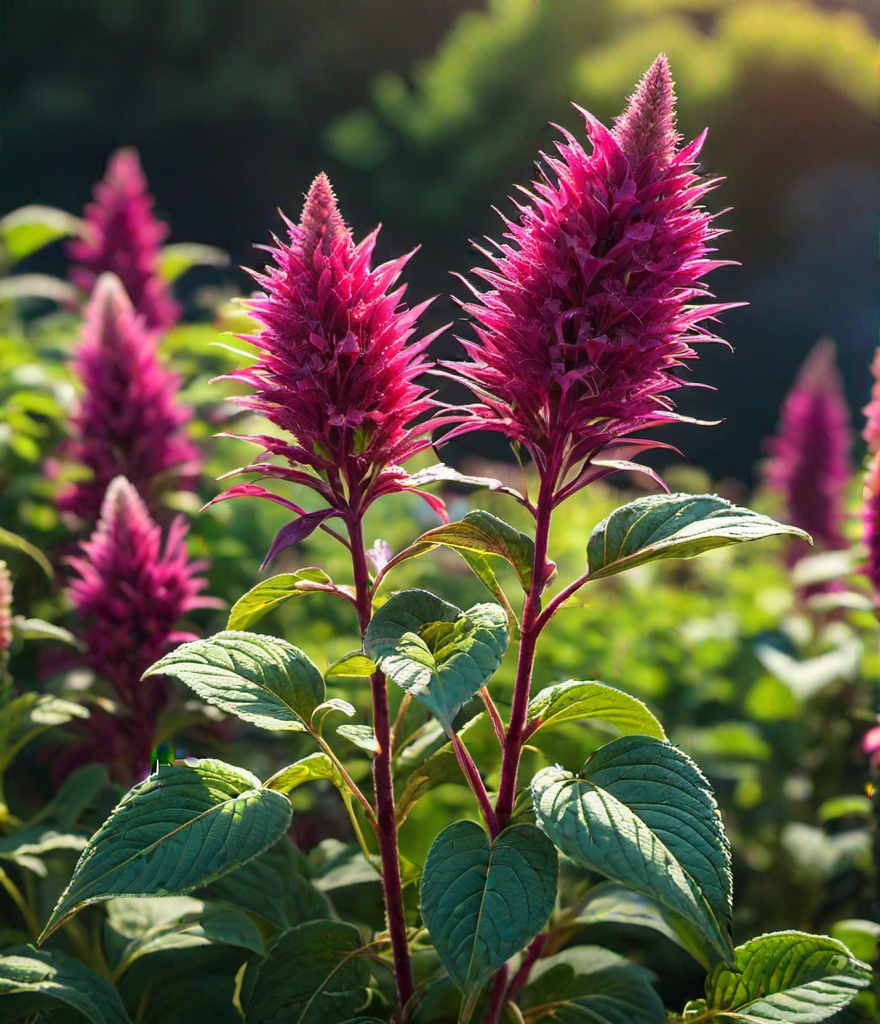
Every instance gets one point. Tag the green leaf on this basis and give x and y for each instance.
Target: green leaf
(674, 526)
(484, 901)
(436, 652)
(788, 977)
(275, 591)
(38, 629)
(314, 974)
(64, 979)
(38, 286)
(261, 679)
(309, 769)
(28, 715)
(363, 736)
(12, 540)
(175, 831)
(591, 985)
(176, 259)
(860, 936)
(26, 847)
(575, 701)
(30, 228)
(354, 665)
(641, 812)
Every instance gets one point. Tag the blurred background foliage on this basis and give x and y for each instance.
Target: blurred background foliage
(427, 114)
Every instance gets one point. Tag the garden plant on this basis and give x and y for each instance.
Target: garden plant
(581, 814)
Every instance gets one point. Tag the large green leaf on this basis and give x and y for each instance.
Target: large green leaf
(574, 701)
(783, 978)
(674, 526)
(61, 978)
(28, 715)
(275, 591)
(314, 974)
(175, 831)
(642, 813)
(261, 679)
(483, 901)
(591, 985)
(439, 654)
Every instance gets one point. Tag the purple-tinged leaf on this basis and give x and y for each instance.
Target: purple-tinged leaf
(296, 531)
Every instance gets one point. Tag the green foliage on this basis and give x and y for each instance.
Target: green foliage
(577, 701)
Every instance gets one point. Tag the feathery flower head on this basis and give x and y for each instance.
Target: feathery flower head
(810, 465)
(871, 524)
(871, 433)
(589, 312)
(128, 421)
(129, 591)
(335, 372)
(5, 607)
(124, 238)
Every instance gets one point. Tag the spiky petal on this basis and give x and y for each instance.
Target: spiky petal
(123, 237)
(590, 310)
(810, 464)
(129, 591)
(129, 420)
(335, 370)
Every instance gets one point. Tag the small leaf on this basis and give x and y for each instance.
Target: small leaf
(275, 591)
(261, 679)
(786, 976)
(446, 474)
(434, 651)
(484, 901)
(28, 715)
(175, 831)
(26, 847)
(175, 260)
(354, 665)
(575, 701)
(322, 710)
(642, 813)
(362, 736)
(12, 540)
(313, 974)
(37, 629)
(674, 526)
(296, 531)
(38, 286)
(30, 228)
(315, 766)
(808, 677)
(591, 985)
(64, 979)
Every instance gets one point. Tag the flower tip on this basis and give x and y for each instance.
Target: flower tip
(646, 128)
(321, 222)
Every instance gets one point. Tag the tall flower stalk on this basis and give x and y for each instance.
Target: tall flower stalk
(336, 373)
(129, 420)
(124, 238)
(871, 488)
(129, 590)
(590, 315)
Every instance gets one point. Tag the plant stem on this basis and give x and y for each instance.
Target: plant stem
(530, 631)
(471, 773)
(498, 997)
(386, 832)
(15, 895)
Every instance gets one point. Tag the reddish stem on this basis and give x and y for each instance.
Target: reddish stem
(466, 763)
(498, 997)
(495, 718)
(533, 954)
(386, 832)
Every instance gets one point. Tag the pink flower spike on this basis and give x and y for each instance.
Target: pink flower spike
(591, 307)
(124, 238)
(336, 369)
(810, 464)
(871, 746)
(871, 526)
(871, 433)
(128, 420)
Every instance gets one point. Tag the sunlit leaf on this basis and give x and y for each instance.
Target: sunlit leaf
(276, 591)
(30, 228)
(576, 701)
(175, 260)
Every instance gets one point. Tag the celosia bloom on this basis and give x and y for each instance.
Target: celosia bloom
(124, 237)
(810, 465)
(335, 372)
(129, 591)
(590, 310)
(129, 420)
(871, 433)
(871, 490)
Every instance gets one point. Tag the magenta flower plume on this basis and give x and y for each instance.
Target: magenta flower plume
(5, 607)
(129, 591)
(871, 433)
(123, 237)
(871, 523)
(129, 420)
(590, 309)
(335, 373)
(810, 464)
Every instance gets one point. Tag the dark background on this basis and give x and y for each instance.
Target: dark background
(425, 114)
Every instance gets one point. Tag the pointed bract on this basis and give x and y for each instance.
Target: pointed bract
(810, 464)
(336, 369)
(123, 237)
(129, 420)
(590, 311)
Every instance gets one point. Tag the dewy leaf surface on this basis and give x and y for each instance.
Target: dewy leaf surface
(483, 902)
(60, 977)
(261, 679)
(275, 591)
(642, 813)
(786, 978)
(176, 831)
(439, 654)
(674, 526)
(312, 975)
(574, 701)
